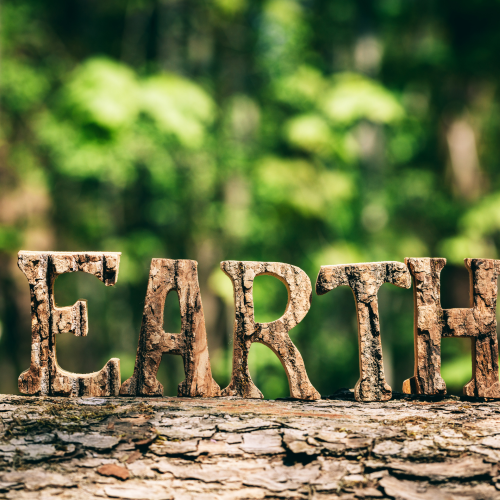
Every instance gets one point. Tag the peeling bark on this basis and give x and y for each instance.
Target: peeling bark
(431, 323)
(45, 376)
(165, 276)
(220, 448)
(274, 334)
(365, 281)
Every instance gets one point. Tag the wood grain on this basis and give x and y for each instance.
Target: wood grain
(181, 277)
(431, 323)
(220, 448)
(45, 376)
(365, 281)
(274, 334)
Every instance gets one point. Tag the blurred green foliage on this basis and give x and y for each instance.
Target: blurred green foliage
(308, 132)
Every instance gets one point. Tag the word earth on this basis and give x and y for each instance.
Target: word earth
(431, 323)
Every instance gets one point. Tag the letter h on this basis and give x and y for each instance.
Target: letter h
(431, 323)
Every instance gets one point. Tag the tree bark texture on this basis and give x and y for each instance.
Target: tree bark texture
(45, 376)
(232, 448)
(165, 276)
(431, 323)
(365, 281)
(274, 334)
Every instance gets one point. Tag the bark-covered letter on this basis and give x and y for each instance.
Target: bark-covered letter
(275, 334)
(45, 377)
(181, 276)
(365, 281)
(431, 323)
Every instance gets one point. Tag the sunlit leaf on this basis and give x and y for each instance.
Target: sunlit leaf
(309, 132)
(309, 190)
(179, 106)
(104, 91)
(352, 97)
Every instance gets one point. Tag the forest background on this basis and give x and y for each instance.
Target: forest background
(308, 132)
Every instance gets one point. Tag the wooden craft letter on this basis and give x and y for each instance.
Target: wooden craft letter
(431, 323)
(45, 377)
(365, 281)
(165, 276)
(274, 334)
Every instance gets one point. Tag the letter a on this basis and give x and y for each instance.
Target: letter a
(165, 276)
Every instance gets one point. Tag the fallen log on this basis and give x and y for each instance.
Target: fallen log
(232, 448)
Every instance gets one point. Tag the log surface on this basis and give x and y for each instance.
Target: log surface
(180, 448)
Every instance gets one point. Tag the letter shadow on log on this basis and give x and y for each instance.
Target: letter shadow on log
(365, 281)
(431, 323)
(165, 276)
(274, 334)
(45, 377)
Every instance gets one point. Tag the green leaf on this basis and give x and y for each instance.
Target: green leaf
(105, 92)
(352, 97)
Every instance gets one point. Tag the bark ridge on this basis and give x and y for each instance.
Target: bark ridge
(431, 323)
(165, 276)
(365, 281)
(230, 448)
(45, 376)
(274, 334)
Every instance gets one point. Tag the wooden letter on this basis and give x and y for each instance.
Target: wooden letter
(45, 377)
(365, 281)
(165, 276)
(431, 322)
(275, 334)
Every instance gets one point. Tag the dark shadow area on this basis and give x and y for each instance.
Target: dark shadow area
(454, 287)
(170, 373)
